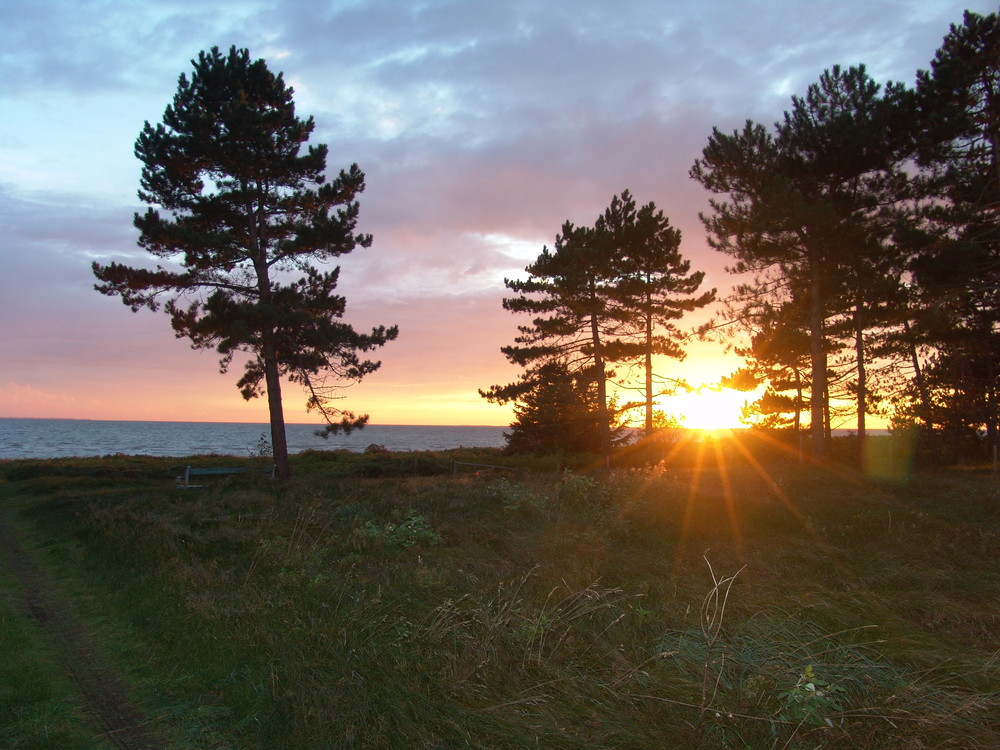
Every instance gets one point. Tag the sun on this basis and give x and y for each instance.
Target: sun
(706, 408)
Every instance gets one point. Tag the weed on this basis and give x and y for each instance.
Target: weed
(576, 489)
(811, 700)
(514, 496)
(411, 532)
(262, 449)
(711, 618)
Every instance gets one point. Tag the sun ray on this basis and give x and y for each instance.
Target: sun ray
(692, 492)
(787, 502)
(727, 491)
(772, 485)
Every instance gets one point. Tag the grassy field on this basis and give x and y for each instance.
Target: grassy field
(383, 601)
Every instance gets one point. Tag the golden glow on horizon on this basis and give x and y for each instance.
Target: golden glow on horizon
(706, 408)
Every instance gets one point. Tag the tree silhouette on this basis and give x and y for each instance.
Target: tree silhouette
(237, 206)
(777, 357)
(652, 291)
(556, 412)
(803, 211)
(958, 270)
(603, 295)
(569, 292)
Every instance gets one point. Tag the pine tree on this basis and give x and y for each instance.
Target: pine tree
(958, 273)
(777, 357)
(556, 412)
(235, 206)
(850, 138)
(805, 209)
(776, 229)
(653, 292)
(568, 292)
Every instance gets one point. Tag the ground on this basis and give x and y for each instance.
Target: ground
(118, 720)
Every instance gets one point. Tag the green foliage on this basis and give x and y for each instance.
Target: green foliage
(515, 496)
(411, 532)
(811, 700)
(576, 489)
(556, 411)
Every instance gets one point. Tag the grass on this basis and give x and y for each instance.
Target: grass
(383, 601)
(40, 707)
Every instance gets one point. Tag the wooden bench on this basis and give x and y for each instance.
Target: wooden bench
(184, 482)
(456, 464)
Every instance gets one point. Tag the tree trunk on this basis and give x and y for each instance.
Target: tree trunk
(602, 388)
(798, 401)
(918, 379)
(797, 424)
(859, 348)
(993, 111)
(991, 406)
(272, 380)
(827, 417)
(817, 353)
(649, 376)
(268, 348)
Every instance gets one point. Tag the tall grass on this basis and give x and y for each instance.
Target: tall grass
(392, 607)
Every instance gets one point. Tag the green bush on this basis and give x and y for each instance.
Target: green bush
(413, 531)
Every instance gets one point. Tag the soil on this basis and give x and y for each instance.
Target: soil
(106, 701)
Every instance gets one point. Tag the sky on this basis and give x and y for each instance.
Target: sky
(481, 127)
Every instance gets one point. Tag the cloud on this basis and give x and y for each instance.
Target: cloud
(481, 127)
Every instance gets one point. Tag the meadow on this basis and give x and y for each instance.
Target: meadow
(718, 600)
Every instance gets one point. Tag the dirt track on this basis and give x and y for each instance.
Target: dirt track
(121, 723)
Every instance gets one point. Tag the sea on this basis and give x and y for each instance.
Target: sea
(62, 438)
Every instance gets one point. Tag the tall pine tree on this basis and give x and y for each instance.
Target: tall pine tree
(237, 205)
(803, 210)
(653, 292)
(568, 292)
(958, 274)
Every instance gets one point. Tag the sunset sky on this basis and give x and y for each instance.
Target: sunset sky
(481, 126)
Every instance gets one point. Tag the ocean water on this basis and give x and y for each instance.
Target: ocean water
(60, 438)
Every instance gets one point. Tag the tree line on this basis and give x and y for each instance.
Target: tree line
(863, 225)
(605, 295)
(864, 230)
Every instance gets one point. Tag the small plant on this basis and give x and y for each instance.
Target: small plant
(262, 449)
(411, 532)
(574, 489)
(513, 495)
(811, 701)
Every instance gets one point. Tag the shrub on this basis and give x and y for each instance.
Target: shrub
(413, 531)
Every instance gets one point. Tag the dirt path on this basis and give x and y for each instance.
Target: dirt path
(122, 723)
